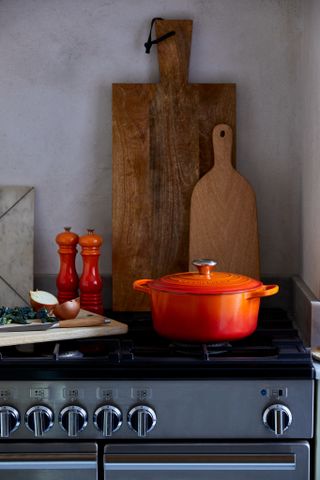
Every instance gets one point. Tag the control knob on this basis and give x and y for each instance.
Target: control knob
(39, 419)
(142, 419)
(9, 420)
(107, 419)
(73, 419)
(278, 418)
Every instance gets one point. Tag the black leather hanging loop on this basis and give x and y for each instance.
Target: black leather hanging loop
(151, 42)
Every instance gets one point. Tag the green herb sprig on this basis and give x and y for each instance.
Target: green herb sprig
(23, 315)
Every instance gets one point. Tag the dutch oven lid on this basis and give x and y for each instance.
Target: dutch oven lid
(206, 281)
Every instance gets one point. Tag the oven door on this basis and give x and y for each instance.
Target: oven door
(255, 461)
(48, 461)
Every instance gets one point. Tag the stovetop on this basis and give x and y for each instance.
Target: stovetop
(275, 350)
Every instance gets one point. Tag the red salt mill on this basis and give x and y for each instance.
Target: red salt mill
(90, 280)
(67, 280)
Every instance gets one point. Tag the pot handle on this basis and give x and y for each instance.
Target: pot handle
(142, 285)
(264, 291)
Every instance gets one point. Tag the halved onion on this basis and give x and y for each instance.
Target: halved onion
(41, 299)
(67, 310)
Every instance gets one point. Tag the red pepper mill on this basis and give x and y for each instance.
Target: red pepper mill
(90, 280)
(67, 280)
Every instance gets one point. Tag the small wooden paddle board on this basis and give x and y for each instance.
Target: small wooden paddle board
(223, 216)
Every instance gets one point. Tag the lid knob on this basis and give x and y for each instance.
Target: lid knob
(205, 266)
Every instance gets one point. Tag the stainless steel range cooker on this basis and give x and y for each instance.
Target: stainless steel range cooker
(140, 406)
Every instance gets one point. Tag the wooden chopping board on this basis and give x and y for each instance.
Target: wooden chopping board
(223, 216)
(56, 334)
(161, 147)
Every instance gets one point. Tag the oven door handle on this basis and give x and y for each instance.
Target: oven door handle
(153, 462)
(47, 461)
(45, 465)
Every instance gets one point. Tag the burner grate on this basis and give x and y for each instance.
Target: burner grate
(274, 349)
(201, 350)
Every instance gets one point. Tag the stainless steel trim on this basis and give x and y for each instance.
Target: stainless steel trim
(142, 423)
(46, 456)
(73, 423)
(39, 412)
(202, 458)
(108, 412)
(38, 423)
(45, 465)
(4, 423)
(279, 411)
(5, 412)
(107, 428)
(73, 412)
(216, 462)
(143, 412)
(200, 466)
(43, 456)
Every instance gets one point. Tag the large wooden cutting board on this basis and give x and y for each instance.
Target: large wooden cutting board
(223, 216)
(20, 338)
(161, 147)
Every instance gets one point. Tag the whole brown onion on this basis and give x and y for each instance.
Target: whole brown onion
(67, 310)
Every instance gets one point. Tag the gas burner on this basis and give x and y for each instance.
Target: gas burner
(201, 350)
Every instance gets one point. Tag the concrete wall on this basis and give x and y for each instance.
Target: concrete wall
(58, 60)
(310, 135)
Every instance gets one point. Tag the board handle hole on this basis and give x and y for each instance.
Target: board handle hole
(222, 133)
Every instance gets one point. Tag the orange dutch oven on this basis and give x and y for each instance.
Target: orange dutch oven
(205, 306)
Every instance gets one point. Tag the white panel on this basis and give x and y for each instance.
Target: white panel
(16, 244)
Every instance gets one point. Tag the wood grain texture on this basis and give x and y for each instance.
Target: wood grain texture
(174, 163)
(56, 334)
(223, 216)
(161, 147)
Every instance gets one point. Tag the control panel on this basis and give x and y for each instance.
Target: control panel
(69, 410)
(156, 409)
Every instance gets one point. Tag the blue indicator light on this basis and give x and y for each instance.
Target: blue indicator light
(263, 392)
